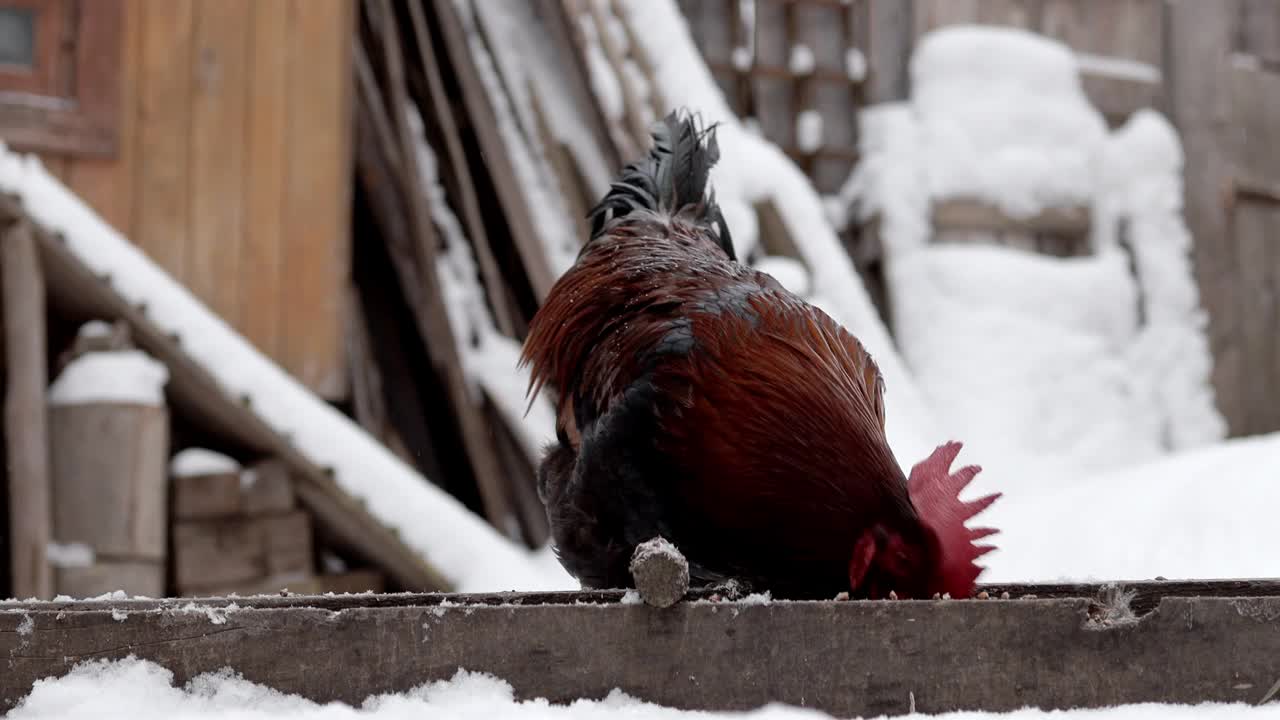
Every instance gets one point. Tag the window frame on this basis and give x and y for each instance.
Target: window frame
(68, 102)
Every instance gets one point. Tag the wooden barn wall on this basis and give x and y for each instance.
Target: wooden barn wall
(234, 165)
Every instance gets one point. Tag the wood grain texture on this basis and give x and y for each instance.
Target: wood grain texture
(219, 95)
(317, 207)
(22, 285)
(261, 271)
(844, 658)
(110, 480)
(162, 222)
(108, 185)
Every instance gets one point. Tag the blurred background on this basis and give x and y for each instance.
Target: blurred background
(267, 265)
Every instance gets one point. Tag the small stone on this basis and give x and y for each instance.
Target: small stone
(1005, 595)
(842, 596)
(893, 595)
(983, 595)
(660, 572)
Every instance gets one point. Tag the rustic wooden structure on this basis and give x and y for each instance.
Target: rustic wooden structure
(1149, 642)
(76, 295)
(215, 134)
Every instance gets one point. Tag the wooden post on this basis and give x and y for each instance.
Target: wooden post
(25, 418)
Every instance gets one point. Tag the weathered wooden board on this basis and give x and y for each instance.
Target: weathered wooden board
(221, 552)
(865, 658)
(26, 433)
(110, 485)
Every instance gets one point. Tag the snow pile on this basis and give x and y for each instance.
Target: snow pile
(1003, 118)
(1141, 190)
(465, 549)
(126, 377)
(753, 170)
(199, 461)
(142, 690)
(1033, 357)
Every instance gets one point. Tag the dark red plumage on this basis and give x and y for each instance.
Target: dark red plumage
(701, 401)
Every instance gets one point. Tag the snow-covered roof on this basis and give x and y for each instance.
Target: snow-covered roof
(358, 488)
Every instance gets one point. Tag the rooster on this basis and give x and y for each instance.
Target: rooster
(700, 401)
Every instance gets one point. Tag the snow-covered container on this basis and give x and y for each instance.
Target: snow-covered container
(109, 446)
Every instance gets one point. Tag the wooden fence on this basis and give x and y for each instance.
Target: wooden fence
(1046, 646)
(1212, 67)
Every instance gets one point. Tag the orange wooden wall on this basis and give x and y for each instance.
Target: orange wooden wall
(234, 170)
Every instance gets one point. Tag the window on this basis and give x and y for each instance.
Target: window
(60, 75)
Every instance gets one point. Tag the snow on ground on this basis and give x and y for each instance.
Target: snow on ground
(128, 377)
(142, 690)
(462, 546)
(751, 170)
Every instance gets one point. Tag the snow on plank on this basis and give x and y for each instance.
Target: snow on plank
(1152, 642)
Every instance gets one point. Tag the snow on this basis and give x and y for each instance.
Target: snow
(791, 273)
(129, 377)
(742, 59)
(69, 555)
(801, 61)
(462, 546)
(1119, 68)
(201, 461)
(809, 131)
(95, 329)
(142, 690)
(855, 64)
(1003, 118)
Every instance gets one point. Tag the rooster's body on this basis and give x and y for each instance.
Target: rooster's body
(703, 402)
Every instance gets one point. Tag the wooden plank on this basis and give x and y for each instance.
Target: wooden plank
(109, 476)
(25, 419)
(262, 297)
(933, 14)
(887, 41)
(267, 487)
(317, 218)
(844, 658)
(135, 577)
(192, 390)
(1255, 105)
(1198, 82)
(1259, 30)
(1256, 225)
(197, 497)
(108, 184)
(432, 319)
(218, 553)
(1121, 28)
(493, 149)
(456, 158)
(162, 219)
(976, 215)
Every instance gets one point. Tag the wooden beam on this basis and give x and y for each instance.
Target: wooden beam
(977, 215)
(430, 312)
(1211, 642)
(493, 149)
(26, 419)
(193, 390)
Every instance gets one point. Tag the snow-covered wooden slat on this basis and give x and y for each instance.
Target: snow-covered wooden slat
(1068, 646)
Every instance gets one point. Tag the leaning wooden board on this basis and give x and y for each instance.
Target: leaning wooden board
(1189, 643)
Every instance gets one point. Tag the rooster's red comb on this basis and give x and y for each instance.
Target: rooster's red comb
(935, 493)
